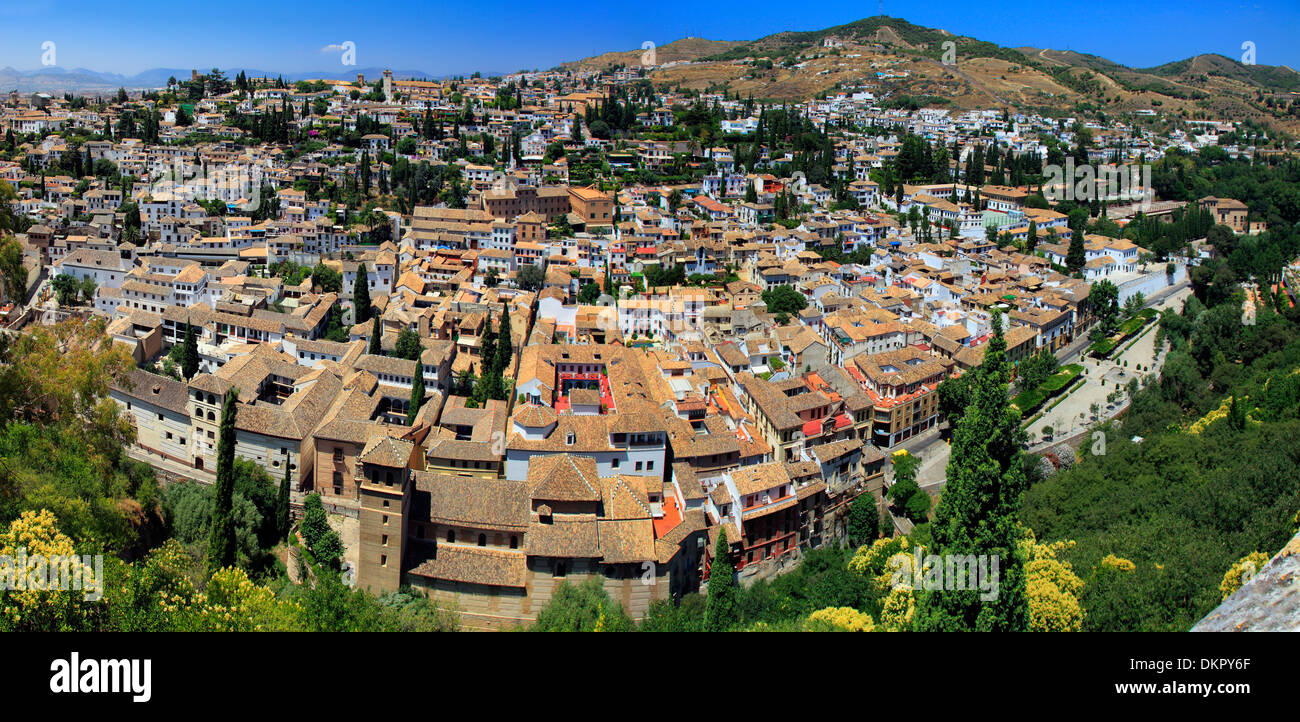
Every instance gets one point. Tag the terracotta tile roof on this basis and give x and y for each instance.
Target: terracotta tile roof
(476, 565)
(476, 502)
(564, 478)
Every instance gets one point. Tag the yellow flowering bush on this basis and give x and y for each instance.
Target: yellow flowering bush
(880, 560)
(1241, 572)
(36, 534)
(897, 610)
(1220, 413)
(233, 603)
(844, 619)
(1051, 587)
(1110, 561)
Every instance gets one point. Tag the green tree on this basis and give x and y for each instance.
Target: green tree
(1075, 257)
(417, 394)
(589, 294)
(189, 352)
(221, 545)
(1103, 299)
(530, 278)
(282, 507)
(361, 296)
(66, 289)
(584, 607)
(505, 345)
(864, 519)
(1037, 368)
(722, 611)
(784, 300)
(978, 513)
(376, 339)
(12, 271)
(954, 396)
(321, 540)
(326, 279)
(408, 345)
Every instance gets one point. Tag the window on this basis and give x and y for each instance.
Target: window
(638, 466)
(514, 541)
(613, 463)
(650, 466)
(482, 540)
(384, 540)
(451, 536)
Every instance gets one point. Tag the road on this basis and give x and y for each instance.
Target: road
(1101, 379)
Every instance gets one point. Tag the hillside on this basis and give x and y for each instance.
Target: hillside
(895, 58)
(676, 51)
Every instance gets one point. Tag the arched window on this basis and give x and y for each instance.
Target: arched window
(211, 416)
(482, 540)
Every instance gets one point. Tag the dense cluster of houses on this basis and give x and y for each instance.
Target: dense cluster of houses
(640, 421)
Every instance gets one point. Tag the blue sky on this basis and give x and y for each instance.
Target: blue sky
(442, 37)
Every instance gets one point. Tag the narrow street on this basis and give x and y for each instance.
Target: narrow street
(1102, 378)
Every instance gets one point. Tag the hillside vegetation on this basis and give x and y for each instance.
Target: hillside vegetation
(797, 66)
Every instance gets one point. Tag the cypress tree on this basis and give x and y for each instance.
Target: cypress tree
(376, 339)
(978, 513)
(721, 610)
(221, 543)
(189, 352)
(488, 354)
(417, 393)
(361, 296)
(282, 507)
(1075, 257)
(505, 348)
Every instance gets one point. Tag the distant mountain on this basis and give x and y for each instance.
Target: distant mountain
(57, 80)
(904, 63)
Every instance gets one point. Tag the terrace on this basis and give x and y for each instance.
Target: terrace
(593, 380)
